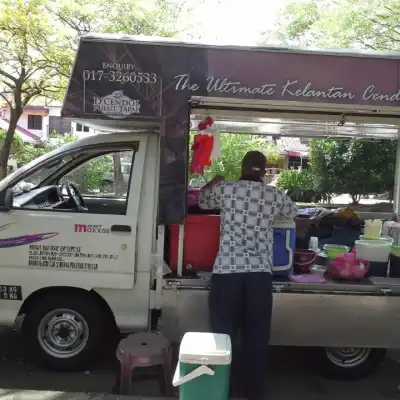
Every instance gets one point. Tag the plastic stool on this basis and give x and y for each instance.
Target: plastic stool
(145, 349)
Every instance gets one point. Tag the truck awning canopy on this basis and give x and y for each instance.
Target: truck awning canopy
(334, 127)
(127, 83)
(122, 82)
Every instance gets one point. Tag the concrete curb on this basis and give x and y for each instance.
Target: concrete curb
(14, 394)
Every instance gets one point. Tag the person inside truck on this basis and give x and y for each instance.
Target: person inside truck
(241, 292)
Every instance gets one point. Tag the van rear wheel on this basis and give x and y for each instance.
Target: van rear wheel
(64, 333)
(349, 362)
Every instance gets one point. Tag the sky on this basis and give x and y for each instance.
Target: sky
(240, 22)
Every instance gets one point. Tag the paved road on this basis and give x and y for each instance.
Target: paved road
(290, 378)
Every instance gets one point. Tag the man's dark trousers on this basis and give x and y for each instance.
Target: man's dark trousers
(244, 301)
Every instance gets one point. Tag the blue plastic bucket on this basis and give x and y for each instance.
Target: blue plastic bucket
(283, 247)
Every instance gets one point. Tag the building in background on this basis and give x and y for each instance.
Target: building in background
(295, 152)
(41, 119)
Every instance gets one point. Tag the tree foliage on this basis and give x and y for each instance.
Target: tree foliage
(363, 24)
(353, 167)
(28, 61)
(300, 186)
(29, 152)
(233, 149)
(79, 17)
(39, 38)
(17, 145)
(88, 177)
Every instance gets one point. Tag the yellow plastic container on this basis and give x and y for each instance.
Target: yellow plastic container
(372, 229)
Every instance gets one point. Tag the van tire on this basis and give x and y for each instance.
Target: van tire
(71, 318)
(348, 363)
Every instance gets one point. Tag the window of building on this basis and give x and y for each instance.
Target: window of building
(81, 128)
(35, 122)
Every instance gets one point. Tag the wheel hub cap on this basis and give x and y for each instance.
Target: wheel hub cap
(347, 357)
(63, 333)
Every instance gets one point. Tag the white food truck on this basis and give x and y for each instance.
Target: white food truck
(78, 260)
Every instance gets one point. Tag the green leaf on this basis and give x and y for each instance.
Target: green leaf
(233, 149)
(365, 24)
(39, 39)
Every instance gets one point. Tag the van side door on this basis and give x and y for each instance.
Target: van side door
(94, 246)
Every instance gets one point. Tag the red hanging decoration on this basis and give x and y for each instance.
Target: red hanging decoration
(202, 147)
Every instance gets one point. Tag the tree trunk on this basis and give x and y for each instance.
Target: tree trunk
(118, 177)
(355, 198)
(6, 149)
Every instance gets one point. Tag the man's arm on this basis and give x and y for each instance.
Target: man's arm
(288, 207)
(210, 195)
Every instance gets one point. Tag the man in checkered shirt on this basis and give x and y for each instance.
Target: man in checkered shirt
(241, 292)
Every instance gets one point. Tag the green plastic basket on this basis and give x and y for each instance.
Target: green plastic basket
(333, 250)
(395, 250)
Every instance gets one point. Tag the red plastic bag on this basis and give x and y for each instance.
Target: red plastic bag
(202, 148)
(347, 266)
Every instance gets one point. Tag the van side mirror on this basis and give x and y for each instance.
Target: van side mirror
(9, 199)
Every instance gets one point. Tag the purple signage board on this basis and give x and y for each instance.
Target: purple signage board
(120, 81)
(303, 77)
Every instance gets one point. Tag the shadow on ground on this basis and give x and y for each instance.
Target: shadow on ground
(290, 377)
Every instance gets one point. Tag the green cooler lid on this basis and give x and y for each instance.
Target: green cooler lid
(205, 348)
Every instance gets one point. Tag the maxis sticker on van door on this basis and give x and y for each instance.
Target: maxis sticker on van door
(83, 228)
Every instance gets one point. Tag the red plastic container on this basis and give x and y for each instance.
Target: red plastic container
(201, 243)
(304, 260)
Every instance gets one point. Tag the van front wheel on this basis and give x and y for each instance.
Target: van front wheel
(64, 333)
